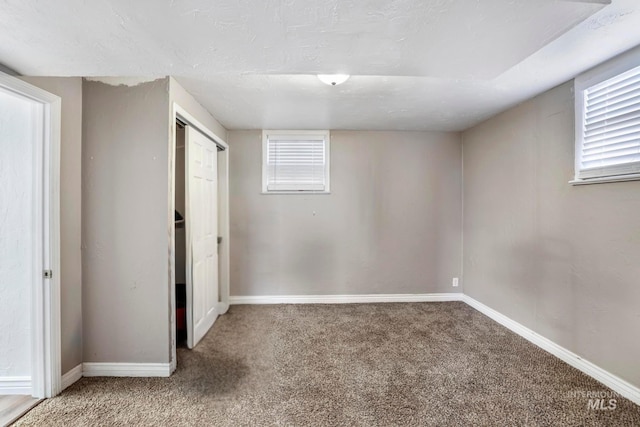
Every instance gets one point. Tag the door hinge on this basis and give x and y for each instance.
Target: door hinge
(48, 274)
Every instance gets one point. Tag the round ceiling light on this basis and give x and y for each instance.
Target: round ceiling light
(333, 79)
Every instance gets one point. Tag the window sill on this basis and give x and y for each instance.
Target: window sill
(301, 193)
(605, 179)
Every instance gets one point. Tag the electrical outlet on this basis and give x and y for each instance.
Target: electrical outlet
(455, 282)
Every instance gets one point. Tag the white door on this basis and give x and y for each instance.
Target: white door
(29, 245)
(17, 239)
(202, 234)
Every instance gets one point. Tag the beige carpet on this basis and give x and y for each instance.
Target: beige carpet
(369, 364)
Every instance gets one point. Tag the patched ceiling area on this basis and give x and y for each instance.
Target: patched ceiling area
(414, 64)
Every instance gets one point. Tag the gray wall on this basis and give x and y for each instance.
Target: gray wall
(70, 90)
(125, 231)
(392, 223)
(560, 259)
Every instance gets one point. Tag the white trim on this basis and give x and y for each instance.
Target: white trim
(610, 380)
(295, 192)
(45, 311)
(15, 385)
(461, 276)
(224, 248)
(172, 235)
(222, 308)
(72, 376)
(605, 179)
(53, 329)
(91, 369)
(343, 299)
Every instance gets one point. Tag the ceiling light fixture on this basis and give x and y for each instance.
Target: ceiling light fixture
(333, 79)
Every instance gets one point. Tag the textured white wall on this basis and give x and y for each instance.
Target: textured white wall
(16, 239)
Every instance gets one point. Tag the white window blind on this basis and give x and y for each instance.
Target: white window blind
(609, 143)
(295, 162)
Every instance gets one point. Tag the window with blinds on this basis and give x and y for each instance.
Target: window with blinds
(295, 161)
(608, 134)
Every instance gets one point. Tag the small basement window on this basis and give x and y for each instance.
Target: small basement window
(295, 161)
(608, 123)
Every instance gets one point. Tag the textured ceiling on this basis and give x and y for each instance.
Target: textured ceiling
(415, 64)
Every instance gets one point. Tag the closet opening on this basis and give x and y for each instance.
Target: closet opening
(180, 242)
(199, 230)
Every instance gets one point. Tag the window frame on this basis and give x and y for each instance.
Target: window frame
(605, 71)
(326, 137)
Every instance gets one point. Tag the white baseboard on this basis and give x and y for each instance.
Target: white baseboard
(343, 299)
(72, 376)
(610, 380)
(91, 369)
(15, 385)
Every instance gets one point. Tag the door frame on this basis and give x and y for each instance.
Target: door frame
(181, 114)
(46, 376)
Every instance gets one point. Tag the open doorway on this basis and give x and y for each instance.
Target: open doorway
(200, 233)
(29, 240)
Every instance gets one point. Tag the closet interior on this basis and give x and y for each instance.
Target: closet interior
(180, 238)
